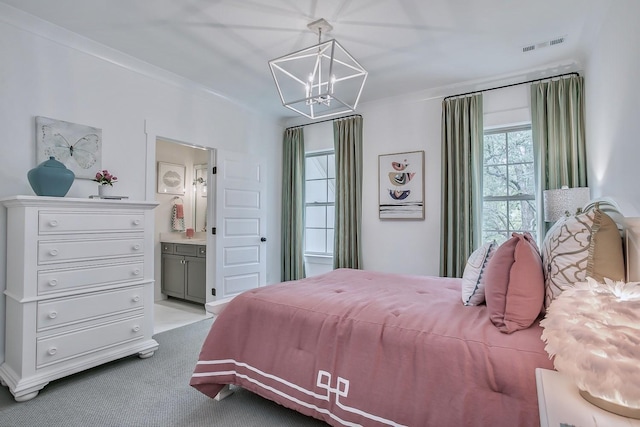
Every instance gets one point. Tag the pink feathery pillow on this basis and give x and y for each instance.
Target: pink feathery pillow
(514, 284)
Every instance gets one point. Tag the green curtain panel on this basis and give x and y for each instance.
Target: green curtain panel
(347, 248)
(293, 204)
(557, 128)
(461, 221)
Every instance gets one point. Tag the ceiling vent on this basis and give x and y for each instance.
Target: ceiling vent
(552, 42)
(556, 41)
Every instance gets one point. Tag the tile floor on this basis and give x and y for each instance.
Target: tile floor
(172, 313)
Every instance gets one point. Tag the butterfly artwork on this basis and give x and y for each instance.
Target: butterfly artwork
(78, 147)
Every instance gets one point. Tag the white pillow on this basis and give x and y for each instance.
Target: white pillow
(472, 278)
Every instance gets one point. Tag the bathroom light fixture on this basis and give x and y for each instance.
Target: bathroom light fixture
(564, 201)
(320, 81)
(200, 180)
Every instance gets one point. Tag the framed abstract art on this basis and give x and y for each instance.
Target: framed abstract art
(401, 185)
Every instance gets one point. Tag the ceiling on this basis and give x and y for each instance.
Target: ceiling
(405, 45)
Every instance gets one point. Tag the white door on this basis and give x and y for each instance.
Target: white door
(240, 239)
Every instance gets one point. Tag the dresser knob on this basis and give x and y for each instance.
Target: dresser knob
(136, 272)
(53, 315)
(136, 298)
(136, 328)
(53, 282)
(136, 222)
(136, 247)
(53, 252)
(53, 223)
(52, 351)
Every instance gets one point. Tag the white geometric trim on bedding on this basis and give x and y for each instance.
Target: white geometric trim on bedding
(323, 382)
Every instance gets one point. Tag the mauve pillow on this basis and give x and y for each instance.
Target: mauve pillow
(514, 284)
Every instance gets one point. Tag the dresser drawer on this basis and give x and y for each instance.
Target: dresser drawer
(62, 347)
(89, 222)
(65, 279)
(62, 311)
(51, 252)
(167, 248)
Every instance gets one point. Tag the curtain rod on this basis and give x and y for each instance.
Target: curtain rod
(573, 73)
(322, 121)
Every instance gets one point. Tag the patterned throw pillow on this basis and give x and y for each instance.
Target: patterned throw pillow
(472, 278)
(581, 246)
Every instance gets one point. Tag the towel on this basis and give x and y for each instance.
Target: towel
(177, 223)
(179, 210)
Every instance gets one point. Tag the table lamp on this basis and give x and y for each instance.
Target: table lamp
(564, 201)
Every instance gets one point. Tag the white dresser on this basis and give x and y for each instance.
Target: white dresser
(79, 287)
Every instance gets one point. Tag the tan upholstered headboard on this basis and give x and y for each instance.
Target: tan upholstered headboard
(632, 248)
(630, 231)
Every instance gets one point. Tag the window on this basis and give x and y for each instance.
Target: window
(320, 184)
(509, 201)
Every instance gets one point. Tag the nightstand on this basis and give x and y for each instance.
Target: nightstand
(562, 406)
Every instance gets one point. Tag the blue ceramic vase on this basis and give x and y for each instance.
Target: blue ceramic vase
(51, 178)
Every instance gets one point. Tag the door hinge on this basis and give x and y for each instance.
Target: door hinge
(213, 291)
(213, 230)
(215, 170)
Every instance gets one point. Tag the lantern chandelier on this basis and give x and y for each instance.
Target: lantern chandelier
(320, 81)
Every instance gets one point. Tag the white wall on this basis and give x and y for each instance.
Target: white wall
(47, 71)
(395, 126)
(612, 93)
(413, 123)
(406, 123)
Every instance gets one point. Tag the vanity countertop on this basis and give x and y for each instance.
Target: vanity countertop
(185, 241)
(199, 238)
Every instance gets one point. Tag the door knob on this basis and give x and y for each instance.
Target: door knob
(263, 239)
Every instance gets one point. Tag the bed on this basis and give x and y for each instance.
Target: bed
(355, 347)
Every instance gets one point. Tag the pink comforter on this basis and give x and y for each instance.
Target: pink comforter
(358, 347)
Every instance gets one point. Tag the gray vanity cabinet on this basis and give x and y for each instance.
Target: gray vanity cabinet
(184, 271)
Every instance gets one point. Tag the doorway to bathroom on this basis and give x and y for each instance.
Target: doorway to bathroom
(181, 261)
(233, 257)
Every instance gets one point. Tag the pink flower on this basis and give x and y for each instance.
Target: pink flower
(105, 178)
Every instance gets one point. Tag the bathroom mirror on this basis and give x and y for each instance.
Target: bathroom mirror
(200, 197)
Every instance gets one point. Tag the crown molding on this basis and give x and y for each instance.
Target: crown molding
(56, 34)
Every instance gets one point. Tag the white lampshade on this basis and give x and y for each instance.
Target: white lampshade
(564, 202)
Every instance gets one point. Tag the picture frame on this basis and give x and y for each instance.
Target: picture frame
(78, 147)
(170, 178)
(401, 185)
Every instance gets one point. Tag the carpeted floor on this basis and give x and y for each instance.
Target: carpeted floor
(150, 392)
